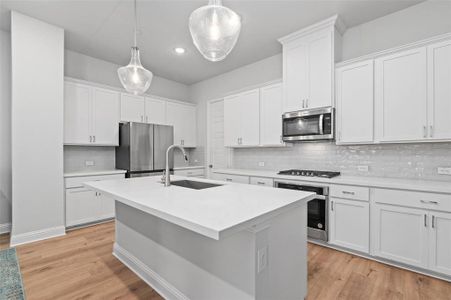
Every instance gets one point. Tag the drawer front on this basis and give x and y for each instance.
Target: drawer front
(350, 192)
(262, 181)
(231, 178)
(432, 201)
(190, 173)
(74, 182)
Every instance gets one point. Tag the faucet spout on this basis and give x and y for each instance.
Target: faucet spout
(167, 174)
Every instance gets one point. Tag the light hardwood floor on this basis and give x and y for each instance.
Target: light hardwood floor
(80, 266)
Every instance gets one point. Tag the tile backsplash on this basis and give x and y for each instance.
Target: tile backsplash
(75, 158)
(418, 161)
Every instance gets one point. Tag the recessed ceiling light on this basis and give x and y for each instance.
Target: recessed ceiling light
(179, 50)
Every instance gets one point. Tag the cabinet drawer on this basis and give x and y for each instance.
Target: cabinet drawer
(432, 201)
(231, 178)
(190, 173)
(350, 192)
(74, 182)
(262, 181)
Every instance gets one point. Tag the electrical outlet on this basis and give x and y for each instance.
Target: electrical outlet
(444, 170)
(363, 168)
(261, 163)
(89, 163)
(262, 256)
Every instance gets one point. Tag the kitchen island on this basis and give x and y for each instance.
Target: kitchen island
(230, 241)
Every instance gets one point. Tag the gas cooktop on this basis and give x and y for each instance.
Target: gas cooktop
(310, 173)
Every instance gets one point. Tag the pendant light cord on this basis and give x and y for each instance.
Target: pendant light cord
(136, 22)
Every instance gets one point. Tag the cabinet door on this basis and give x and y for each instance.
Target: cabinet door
(401, 98)
(349, 222)
(295, 76)
(132, 108)
(232, 121)
(320, 66)
(105, 117)
(174, 117)
(249, 111)
(107, 209)
(155, 111)
(439, 88)
(354, 95)
(77, 113)
(400, 234)
(189, 126)
(271, 115)
(82, 206)
(440, 243)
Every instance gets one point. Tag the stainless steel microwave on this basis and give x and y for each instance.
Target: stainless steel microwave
(308, 125)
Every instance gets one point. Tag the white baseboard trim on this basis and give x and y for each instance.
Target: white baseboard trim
(5, 228)
(158, 283)
(38, 235)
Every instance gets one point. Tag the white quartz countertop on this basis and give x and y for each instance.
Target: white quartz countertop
(93, 173)
(392, 183)
(213, 212)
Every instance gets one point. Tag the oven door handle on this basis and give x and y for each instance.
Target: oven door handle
(320, 197)
(320, 124)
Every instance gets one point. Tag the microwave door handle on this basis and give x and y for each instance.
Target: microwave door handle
(321, 121)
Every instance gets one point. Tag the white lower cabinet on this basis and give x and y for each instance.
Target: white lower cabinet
(85, 206)
(262, 181)
(230, 178)
(349, 224)
(440, 242)
(400, 234)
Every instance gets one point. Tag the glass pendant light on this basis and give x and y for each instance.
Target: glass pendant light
(134, 77)
(214, 30)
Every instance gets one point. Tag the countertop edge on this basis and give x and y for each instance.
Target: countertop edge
(93, 173)
(367, 181)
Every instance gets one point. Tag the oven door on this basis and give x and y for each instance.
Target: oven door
(314, 124)
(317, 221)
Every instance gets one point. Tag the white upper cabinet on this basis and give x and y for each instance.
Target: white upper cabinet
(155, 111)
(91, 115)
(439, 89)
(183, 118)
(308, 64)
(77, 113)
(401, 96)
(271, 115)
(355, 101)
(132, 108)
(242, 119)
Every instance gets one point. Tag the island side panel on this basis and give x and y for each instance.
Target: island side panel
(181, 264)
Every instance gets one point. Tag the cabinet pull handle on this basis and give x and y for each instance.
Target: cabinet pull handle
(433, 221)
(425, 134)
(348, 193)
(425, 220)
(429, 202)
(147, 119)
(228, 179)
(431, 130)
(94, 138)
(260, 182)
(306, 103)
(90, 138)
(332, 205)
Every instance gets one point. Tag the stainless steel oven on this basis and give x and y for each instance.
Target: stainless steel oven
(308, 125)
(317, 217)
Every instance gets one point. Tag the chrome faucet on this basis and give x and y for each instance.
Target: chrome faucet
(167, 175)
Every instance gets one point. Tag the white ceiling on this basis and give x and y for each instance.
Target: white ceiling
(103, 28)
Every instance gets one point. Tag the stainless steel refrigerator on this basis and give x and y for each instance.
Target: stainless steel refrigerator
(142, 148)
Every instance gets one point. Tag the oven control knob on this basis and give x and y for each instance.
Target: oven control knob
(320, 226)
(302, 173)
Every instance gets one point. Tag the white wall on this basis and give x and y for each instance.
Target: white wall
(417, 22)
(88, 68)
(37, 129)
(5, 130)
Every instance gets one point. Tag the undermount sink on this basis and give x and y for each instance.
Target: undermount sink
(195, 185)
